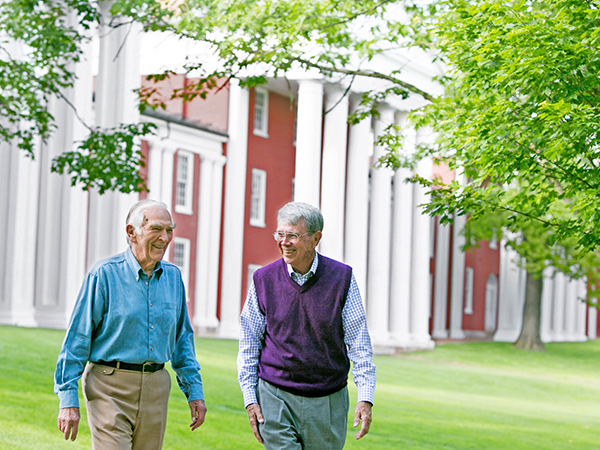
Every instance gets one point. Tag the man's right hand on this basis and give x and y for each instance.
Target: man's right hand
(68, 422)
(255, 417)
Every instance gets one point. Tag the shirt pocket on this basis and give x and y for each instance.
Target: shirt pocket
(169, 317)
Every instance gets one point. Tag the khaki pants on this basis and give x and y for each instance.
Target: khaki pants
(126, 410)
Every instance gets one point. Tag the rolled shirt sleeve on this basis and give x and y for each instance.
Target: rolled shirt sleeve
(76, 346)
(360, 351)
(252, 329)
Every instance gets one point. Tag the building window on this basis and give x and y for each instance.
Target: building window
(261, 112)
(185, 183)
(469, 272)
(258, 198)
(181, 258)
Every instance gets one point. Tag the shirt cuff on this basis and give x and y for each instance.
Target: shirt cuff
(196, 393)
(249, 397)
(366, 394)
(68, 399)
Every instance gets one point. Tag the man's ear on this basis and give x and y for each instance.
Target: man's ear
(317, 238)
(131, 234)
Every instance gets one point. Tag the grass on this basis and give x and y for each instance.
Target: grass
(467, 396)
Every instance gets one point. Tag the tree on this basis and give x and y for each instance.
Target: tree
(520, 110)
(520, 106)
(537, 250)
(108, 159)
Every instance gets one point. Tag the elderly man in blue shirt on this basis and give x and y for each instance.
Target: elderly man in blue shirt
(130, 319)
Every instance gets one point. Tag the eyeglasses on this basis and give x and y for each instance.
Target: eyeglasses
(291, 237)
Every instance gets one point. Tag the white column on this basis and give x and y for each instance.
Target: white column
(57, 243)
(116, 103)
(380, 234)
(546, 307)
(402, 266)
(209, 234)
(167, 175)
(558, 320)
(161, 173)
(154, 163)
(5, 195)
(511, 296)
(581, 309)
(440, 289)
(308, 142)
(20, 244)
(458, 278)
(570, 309)
(333, 181)
(421, 250)
(233, 217)
(592, 322)
(360, 147)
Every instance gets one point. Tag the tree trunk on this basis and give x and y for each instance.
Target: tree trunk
(530, 333)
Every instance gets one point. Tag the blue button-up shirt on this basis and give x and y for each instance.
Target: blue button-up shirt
(123, 315)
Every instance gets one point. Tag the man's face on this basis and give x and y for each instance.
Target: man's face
(150, 246)
(300, 253)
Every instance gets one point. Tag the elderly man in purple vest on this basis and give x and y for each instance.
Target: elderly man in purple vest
(302, 324)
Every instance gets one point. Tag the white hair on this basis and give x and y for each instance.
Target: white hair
(294, 212)
(136, 217)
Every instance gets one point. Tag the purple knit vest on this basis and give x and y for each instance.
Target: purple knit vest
(303, 350)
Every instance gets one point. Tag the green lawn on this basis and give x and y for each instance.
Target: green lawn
(467, 396)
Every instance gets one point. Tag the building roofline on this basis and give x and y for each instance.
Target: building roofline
(168, 117)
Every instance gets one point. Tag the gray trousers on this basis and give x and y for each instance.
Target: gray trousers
(293, 422)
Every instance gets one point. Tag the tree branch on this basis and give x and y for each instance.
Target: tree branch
(370, 74)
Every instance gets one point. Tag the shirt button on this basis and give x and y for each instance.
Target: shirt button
(151, 304)
(146, 283)
(152, 326)
(151, 349)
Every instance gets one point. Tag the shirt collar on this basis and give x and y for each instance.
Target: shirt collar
(311, 271)
(137, 269)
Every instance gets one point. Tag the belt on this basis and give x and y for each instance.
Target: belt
(146, 367)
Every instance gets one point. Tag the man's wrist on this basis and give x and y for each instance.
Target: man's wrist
(68, 399)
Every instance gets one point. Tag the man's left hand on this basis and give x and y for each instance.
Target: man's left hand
(198, 411)
(362, 414)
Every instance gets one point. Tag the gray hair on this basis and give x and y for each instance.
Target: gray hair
(293, 212)
(136, 217)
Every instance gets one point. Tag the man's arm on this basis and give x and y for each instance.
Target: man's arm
(252, 328)
(185, 364)
(360, 352)
(74, 355)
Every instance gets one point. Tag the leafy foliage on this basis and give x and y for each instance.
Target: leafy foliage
(27, 81)
(521, 109)
(41, 42)
(107, 160)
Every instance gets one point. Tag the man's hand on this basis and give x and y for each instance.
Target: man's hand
(362, 414)
(198, 411)
(68, 422)
(255, 417)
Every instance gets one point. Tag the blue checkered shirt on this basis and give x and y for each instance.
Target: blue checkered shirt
(356, 337)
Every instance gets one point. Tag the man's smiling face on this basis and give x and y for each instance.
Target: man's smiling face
(301, 252)
(150, 246)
